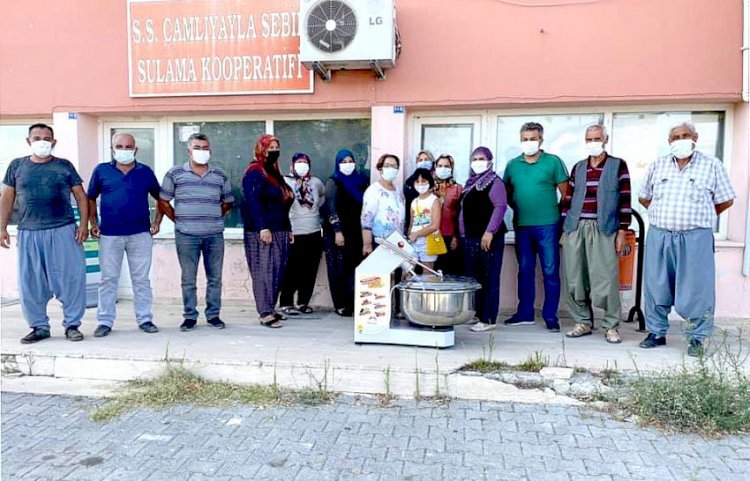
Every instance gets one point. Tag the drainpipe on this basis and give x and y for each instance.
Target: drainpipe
(746, 99)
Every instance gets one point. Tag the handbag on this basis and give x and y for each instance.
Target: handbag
(436, 244)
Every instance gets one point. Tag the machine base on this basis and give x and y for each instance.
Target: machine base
(403, 333)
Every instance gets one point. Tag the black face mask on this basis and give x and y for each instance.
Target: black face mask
(273, 156)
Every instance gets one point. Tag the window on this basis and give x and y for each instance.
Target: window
(321, 140)
(639, 137)
(563, 136)
(456, 140)
(232, 145)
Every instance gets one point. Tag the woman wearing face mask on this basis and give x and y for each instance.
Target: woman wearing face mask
(483, 206)
(383, 210)
(424, 160)
(449, 192)
(307, 245)
(342, 230)
(265, 212)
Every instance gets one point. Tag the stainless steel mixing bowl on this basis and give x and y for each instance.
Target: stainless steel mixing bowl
(438, 302)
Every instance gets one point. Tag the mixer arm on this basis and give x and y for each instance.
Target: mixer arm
(395, 249)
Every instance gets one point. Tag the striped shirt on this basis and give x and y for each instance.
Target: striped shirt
(198, 199)
(589, 209)
(685, 199)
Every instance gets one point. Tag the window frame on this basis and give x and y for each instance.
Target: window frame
(487, 119)
(164, 140)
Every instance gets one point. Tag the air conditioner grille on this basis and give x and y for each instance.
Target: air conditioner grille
(331, 25)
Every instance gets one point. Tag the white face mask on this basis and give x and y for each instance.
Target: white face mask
(124, 156)
(301, 168)
(424, 164)
(41, 148)
(530, 147)
(348, 168)
(682, 148)
(389, 173)
(421, 188)
(443, 173)
(480, 166)
(594, 149)
(201, 156)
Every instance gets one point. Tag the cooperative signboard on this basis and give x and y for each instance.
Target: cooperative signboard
(215, 47)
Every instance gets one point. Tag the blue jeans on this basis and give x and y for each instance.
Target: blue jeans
(138, 249)
(531, 241)
(189, 250)
(51, 263)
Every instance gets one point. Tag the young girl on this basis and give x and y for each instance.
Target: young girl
(425, 215)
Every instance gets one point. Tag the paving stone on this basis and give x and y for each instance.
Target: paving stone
(50, 437)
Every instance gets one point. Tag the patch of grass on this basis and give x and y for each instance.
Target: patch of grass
(692, 399)
(534, 363)
(179, 386)
(484, 366)
(710, 397)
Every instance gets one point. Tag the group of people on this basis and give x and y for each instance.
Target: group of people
(290, 219)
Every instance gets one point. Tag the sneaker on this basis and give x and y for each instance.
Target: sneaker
(652, 341)
(695, 348)
(290, 311)
(612, 336)
(148, 327)
(579, 330)
(73, 334)
(36, 335)
(472, 321)
(102, 330)
(515, 321)
(482, 327)
(217, 323)
(188, 325)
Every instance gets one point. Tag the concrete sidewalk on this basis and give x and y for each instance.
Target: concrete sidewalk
(316, 349)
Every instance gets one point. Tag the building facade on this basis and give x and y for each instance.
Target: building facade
(470, 73)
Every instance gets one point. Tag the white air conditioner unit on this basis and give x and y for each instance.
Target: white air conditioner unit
(348, 34)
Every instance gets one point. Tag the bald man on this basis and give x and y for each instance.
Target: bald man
(126, 227)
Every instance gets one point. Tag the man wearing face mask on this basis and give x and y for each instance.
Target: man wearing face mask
(202, 195)
(124, 185)
(51, 261)
(425, 160)
(532, 180)
(684, 193)
(596, 215)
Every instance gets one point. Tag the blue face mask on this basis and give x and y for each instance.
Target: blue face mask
(424, 164)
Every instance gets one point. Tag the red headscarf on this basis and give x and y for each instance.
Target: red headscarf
(270, 171)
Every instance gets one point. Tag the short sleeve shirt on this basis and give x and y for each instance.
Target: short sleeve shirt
(197, 198)
(535, 188)
(123, 207)
(42, 192)
(685, 199)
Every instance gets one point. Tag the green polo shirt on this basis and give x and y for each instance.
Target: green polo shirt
(535, 188)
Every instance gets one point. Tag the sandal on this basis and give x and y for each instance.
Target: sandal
(290, 311)
(270, 321)
(579, 330)
(279, 316)
(305, 309)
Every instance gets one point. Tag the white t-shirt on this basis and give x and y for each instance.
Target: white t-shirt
(421, 212)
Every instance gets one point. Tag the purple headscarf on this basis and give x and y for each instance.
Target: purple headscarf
(481, 181)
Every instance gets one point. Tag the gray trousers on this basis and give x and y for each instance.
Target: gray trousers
(592, 276)
(679, 271)
(267, 263)
(138, 249)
